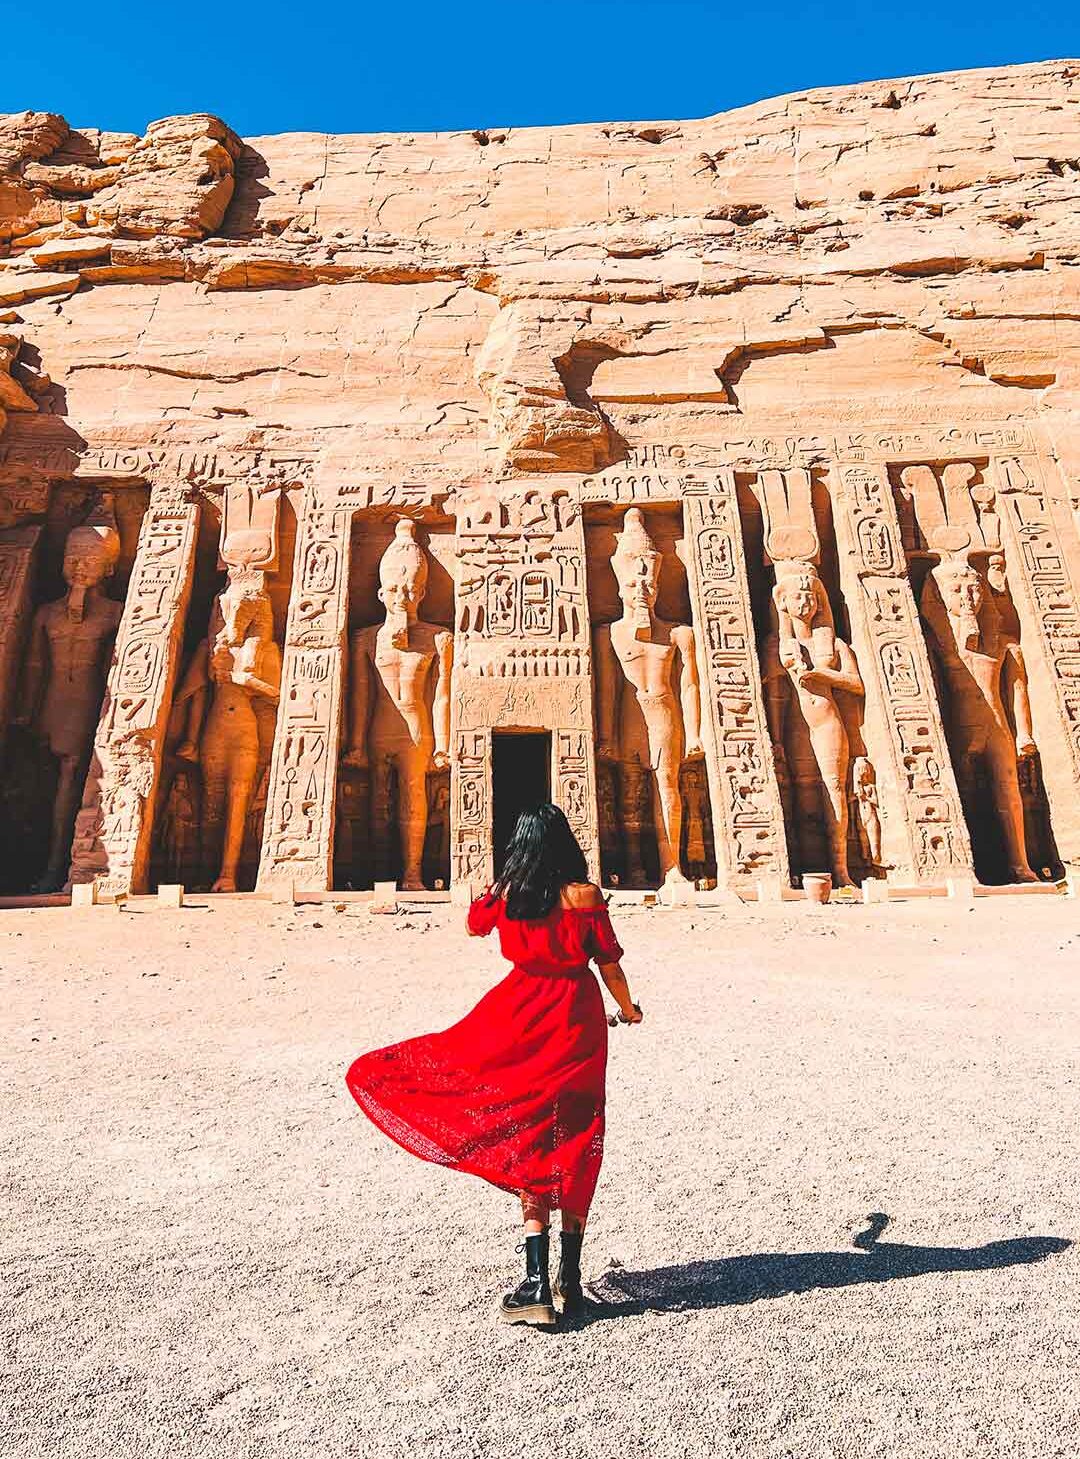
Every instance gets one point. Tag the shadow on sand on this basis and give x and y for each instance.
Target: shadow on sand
(730, 1281)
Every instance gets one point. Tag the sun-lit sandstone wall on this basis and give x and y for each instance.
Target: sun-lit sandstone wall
(833, 337)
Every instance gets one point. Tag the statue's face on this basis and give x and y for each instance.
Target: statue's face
(638, 576)
(86, 564)
(402, 597)
(962, 592)
(241, 612)
(995, 572)
(799, 599)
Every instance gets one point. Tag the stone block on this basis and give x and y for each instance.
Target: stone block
(170, 894)
(84, 894)
(384, 899)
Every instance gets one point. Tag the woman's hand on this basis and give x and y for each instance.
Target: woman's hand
(635, 1015)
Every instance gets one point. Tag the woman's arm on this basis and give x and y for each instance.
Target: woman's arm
(616, 984)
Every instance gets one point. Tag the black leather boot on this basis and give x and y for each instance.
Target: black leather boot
(568, 1291)
(531, 1301)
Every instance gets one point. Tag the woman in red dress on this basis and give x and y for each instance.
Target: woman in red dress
(515, 1091)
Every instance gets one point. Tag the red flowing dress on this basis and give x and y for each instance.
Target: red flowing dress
(513, 1093)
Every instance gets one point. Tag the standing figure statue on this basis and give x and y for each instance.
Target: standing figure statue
(238, 665)
(806, 663)
(980, 658)
(400, 693)
(65, 670)
(654, 729)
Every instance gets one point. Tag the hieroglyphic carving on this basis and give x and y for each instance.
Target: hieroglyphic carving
(113, 826)
(16, 558)
(298, 828)
(471, 864)
(921, 794)
(745, 794)
(1048, 592)
(1044, 579)
(520, 616)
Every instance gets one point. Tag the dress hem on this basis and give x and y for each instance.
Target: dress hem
(552, 1202)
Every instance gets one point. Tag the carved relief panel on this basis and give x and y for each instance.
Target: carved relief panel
(521, 661)
(924, 836)
(655, 817)
(396, 747)
(744, 792)
(213, 788)
(953, 537)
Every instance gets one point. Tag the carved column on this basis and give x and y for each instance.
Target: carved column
(1047, 592)
(114, 825)
(747, 814)
(471, 860)
(16, 560)
(925, 835)
(298, 832)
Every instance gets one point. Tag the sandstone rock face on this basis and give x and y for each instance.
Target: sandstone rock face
(825, 348)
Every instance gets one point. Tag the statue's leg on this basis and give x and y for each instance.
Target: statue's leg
(668, 817)
(1001, 759)
(829, 742)
(241, 783)
(412, 816)
(68, 795)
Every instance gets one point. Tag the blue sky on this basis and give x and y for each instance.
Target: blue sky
(284, 65)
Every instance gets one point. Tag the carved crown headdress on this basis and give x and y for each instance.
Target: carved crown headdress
(99, 530)
(404, 558)
(634, 539)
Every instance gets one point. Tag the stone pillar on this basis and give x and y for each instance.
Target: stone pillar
(471, 861)
(925, 836)
(114, 825)
(16, 560)
(573, 782)
(1034, 524)
(748, 819)
(298, 831)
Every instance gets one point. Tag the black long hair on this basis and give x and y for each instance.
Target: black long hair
(543, 857)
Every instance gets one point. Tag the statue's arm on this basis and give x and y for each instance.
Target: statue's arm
(608, 689)
(776, 691)
(689, 688)
(359, 698)
(440, 710)
(845, 677)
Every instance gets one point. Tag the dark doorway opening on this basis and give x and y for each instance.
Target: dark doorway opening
(520, 778)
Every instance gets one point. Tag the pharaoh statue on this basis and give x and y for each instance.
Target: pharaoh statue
(237, 668)
(399, 713)
(65, 670)
(808, 667)
(979, 655)
(648, 705)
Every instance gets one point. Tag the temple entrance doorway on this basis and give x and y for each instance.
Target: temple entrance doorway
(521, 779)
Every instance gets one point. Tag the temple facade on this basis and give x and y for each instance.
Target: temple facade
(856, 654)
(735, 510)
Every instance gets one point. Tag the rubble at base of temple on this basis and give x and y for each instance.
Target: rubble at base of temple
(718, 480)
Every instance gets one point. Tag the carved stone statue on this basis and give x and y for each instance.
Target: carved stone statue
(980, 661)
(648, 702)
(400, 693)
(238, 665)
(65, 670)
(864, 781)
(805, 662)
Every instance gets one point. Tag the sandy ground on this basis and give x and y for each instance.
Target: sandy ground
(208, 1251)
